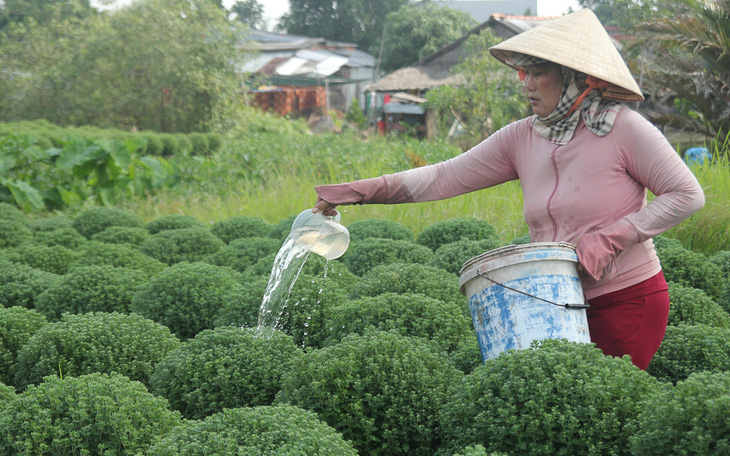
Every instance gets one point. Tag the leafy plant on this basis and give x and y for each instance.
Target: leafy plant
(122, 235)
(173, 222)
(690, 269)
(240, 254)
(96, 220)
(240, 227)
(20, 284)
(17, 325)
(691, 348)
(119, 256)
(54, 259)
(185, 244)
(692, 306)
(379, 228)
(456, 229)
(65, 237)
(364, 255)
(451, 257)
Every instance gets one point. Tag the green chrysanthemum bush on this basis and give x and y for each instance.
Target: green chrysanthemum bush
(722, 259)
(364, 255)
(50, 224)
(410, 278)
(692, 306)
(91, 289)
(122, 235)
(691, 348)
(186, 244)
(20, 284)
(382, 391)
(452, 256)
(54, 259)
(241, 254)
(173, 222)
(93, 414)
(95, 342)
(244, 312)
(10, 212)
(224, 368)
(690, 269)
(281, 230)
(315, 265)
(14, 234)
(379, 228)
(409, 314)
(561, 398)
(7, 395)
(240, 227)
(17, 325)
(65, 237)
(120, 256)
(455, 229)
(96, 220)
(187, 297)
(281, 430)
(689, 419)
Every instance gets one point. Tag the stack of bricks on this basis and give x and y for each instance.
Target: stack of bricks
(263, 100)
(284, 101)
(309, 97)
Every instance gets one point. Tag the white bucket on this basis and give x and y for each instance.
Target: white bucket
(522, 293)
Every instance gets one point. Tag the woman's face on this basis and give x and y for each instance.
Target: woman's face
(543, 87)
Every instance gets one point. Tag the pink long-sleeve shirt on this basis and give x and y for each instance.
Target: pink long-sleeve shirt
(590, 192)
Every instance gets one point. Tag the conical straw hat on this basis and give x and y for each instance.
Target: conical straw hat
(577, 41)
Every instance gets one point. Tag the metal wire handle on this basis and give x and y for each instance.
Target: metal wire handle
(567, 305)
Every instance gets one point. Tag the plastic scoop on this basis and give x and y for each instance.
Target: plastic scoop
(324, 235)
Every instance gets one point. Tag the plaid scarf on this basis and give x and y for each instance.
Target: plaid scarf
(559, 126)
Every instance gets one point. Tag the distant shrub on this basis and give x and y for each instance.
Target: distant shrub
(224, 368)
(65, 237)
(91, 289)
(455, 229)
(199, 142)
(410, 278)
(17, 325)
(10, 213)
(170, 145)
(54, 259)
(215, 141)
(382, 391)
(690, 269)
(96, 220)
(50, 223)
(20, 284)
(186, 244)
(561, 398)
(119, 256)
(379, 228)
(241, 254)
(467, 356)
(14, 233)
(122, 235)
(524, 239)
(94, 342)
(282, 229)
(240, 227)
(318, 266)
(99, 413)
(364, 255)
(691, 348)
(7, 394)
(688, 419)
(722, 259)
(186, 146)
(244, 312)
(153, 144)
(724, 300)
(692, 306)
(282, 430)
(187, 297)
(451, 257)
(173, 222)
(409, 314)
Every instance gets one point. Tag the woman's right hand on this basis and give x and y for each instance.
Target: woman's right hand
(326, 208)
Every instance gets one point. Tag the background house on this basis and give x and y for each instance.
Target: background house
(482, 10)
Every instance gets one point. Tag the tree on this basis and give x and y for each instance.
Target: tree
(249, 12)
(355, 21)
(42, 10)
(165, 65)
(413, 32)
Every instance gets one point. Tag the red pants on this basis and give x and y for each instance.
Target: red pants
(631, 321)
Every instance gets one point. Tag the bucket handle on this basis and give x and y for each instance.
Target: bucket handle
(566, 305)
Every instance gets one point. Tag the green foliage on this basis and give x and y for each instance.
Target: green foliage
(452, 230)
(17, 325)
(187, 297)
(240, 227)
(354, 115)
(691, 348)
(382, 391)
(14, 234)
(120, 256)
(724, 300)
(560, 398)
(477, 450)
(410, 278)
(96, 220)
(722, 259)
(173, 222)
(91, 289)
(65, 237)
(244, 312)
(199, 141)
(281, 430)
(282, 229)
(226, 367)
(240, 254)
(11, 213)
(92, 414)
(54, 259)
(20, 285)
(50, 223)
(417, 31)
(686, 420)
(94, 342)
(7, 394)
(122, 235)
(690, 269)
(185, 244)
(451, 257)
(692, 306)
(379, 228)
(409, 314)
(364, 255)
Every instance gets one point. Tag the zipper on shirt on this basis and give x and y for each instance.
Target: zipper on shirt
(552, 195)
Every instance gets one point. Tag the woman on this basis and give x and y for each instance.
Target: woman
(585, 163)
